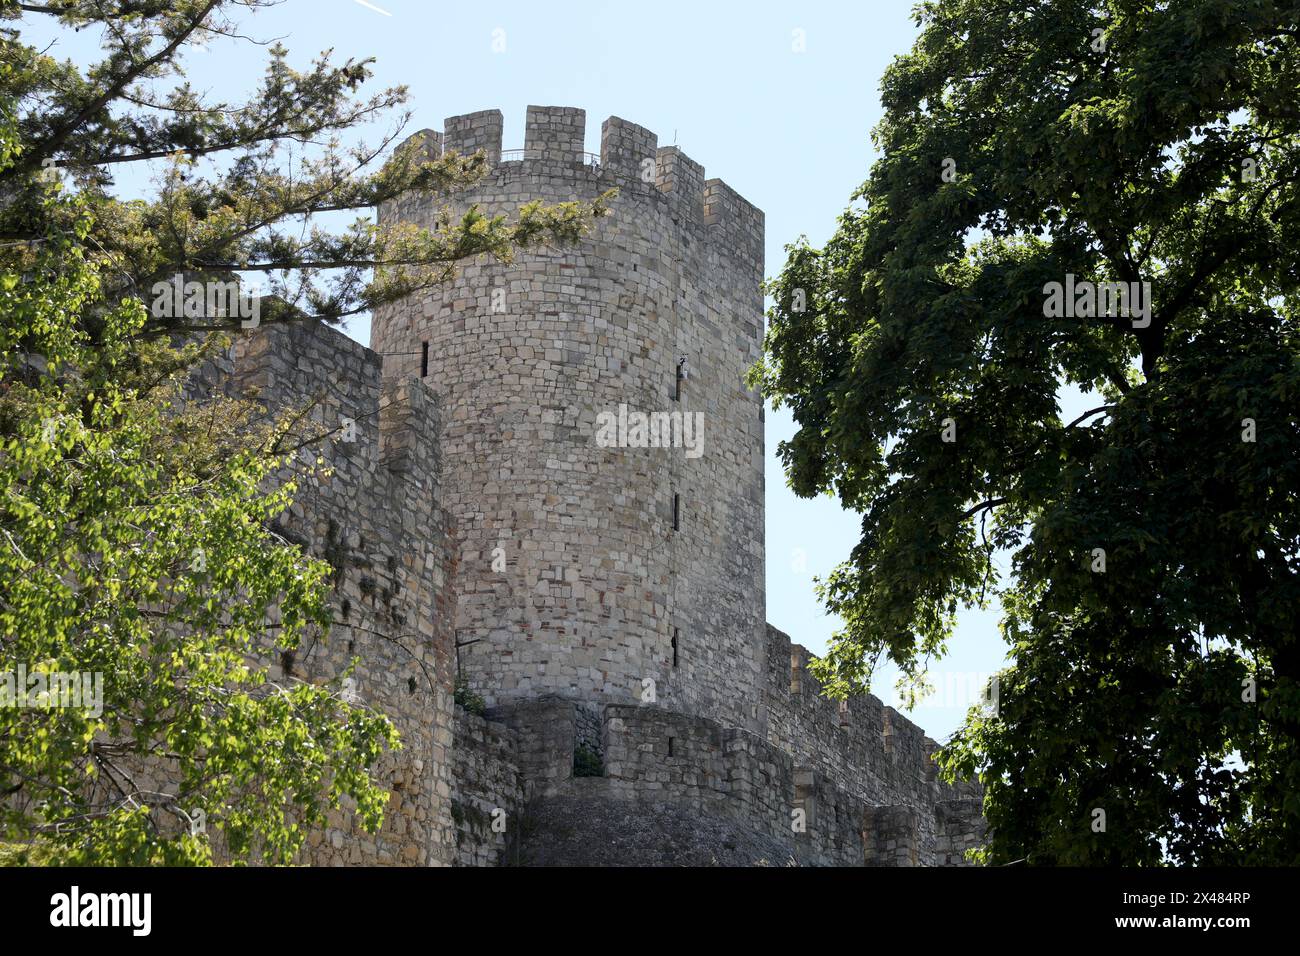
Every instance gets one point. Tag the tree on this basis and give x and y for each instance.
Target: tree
(136, 547)
(1033, 157)
(240, 179)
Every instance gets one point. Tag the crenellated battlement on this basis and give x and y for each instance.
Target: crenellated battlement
(868, 748)
(630, 158)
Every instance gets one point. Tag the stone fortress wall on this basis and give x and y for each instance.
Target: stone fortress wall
(622, 564)
(681, 789)
(639, 708)
(372, 512)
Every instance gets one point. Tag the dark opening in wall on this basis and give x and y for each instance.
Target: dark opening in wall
(677, 512)
(424, 360)
(682, 375)
(671, 740)
(587, 762)
(676, 634)
(588, 750)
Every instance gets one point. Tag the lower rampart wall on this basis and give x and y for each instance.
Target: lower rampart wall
(676, 789)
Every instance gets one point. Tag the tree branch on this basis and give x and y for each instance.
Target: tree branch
(983, 506)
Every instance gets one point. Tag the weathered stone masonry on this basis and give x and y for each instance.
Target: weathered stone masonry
(373, 514)
(628, 626)
(525, 357)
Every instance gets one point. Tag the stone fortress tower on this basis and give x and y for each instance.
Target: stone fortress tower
(606, 602)
(628, 572)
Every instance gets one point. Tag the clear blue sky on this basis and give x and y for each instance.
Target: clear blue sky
(787, 128)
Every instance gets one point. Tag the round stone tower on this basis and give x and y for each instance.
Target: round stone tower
(595, 563)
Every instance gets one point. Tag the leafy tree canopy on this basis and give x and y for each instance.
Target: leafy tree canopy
(1153, 606)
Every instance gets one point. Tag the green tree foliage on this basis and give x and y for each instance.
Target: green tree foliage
(135, 540)
(243, 184)
(1152, 606)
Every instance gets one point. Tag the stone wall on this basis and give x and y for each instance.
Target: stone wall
(961, 827)
(678, 789)
(488, 794)
(622, 564)
(374, 516)
(867, 750)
